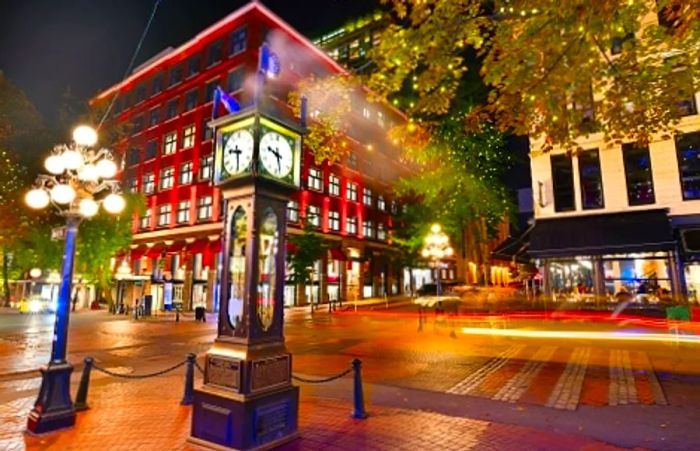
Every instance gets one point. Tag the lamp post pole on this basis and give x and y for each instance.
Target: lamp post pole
(78, 175)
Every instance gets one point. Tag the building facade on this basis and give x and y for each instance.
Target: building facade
(620, 218)
(164, 107)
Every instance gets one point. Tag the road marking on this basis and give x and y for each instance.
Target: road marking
(515, 387)
(471, 383)
(567, 390)
(623, 388)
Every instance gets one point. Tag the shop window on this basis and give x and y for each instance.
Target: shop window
(563, 182)
(169, 143)
(167, 178)
(186, 173)
(334, 185)
(351, 225)
(193, 65)
(351, 191)
(164, 214)
(206, 165)
(367, 197)
(315, 179)
(145, 220)
(234, 82)
(591, 180)
(638, 174)
(314, 216)
(688, 150)
(334, 221)
(188, 134)
(183, 212)
(293, 211)
(204, 207)
(149, 183)
(239, 39)
(214, 52)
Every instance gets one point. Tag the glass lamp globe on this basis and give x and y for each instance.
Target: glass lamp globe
(425, 253)
(89, 173)
(54, 164)
(84, 135)
(435, 228)
(37, 198)
(62, 193)
(72, 159)
(35, 273)
(106, 168)
(114, 203)
(449, 251)
(88, 208)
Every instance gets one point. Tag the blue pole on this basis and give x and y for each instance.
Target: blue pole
(60, 335)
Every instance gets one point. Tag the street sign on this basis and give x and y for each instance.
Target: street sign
(58, 233)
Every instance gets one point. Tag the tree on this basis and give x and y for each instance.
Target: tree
(548, 65)
(308, 247)
(100, 239)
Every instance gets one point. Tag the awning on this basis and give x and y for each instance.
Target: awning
(138, 253)
(155, 251)
(215, 246)
(197, 247)
(175, 248)
(615, 233)
(514, 248)
(337, 254)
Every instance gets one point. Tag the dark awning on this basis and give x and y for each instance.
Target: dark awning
(615, 233)
(513, 248)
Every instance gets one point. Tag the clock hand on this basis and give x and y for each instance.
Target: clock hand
(277, 155)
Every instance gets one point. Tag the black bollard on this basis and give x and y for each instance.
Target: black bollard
(188, 396)
(81, 397)
(177, 315)
(359, 412)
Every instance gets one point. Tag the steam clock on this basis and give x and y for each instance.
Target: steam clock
(247, 400)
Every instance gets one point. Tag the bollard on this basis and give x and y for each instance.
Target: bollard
(81, 397)
(177, 315)
(359, 412)
(188, 396)
(420, 319)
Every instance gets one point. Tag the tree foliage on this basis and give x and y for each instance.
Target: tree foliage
(308, 248)
(548, 65)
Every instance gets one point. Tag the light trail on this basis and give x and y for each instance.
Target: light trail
(583, 335)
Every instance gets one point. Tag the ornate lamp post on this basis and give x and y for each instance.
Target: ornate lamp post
(436, 247)
(81, 178)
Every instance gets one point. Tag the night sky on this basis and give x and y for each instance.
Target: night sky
(47, 46)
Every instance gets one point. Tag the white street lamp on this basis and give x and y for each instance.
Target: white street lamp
(437, 246)
(80, 179)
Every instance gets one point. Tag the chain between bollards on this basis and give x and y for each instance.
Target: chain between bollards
(81, 397)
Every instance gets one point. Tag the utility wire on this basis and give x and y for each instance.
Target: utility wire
(133, 60)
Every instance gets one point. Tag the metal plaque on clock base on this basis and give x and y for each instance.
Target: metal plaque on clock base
(247, 400)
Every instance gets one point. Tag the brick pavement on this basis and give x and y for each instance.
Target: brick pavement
(146, 415)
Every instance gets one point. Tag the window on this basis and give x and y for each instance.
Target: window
(234, 82)
(688, 149)
(167, 178)
(214, 52)
(206, 164)
(171, 109)
(151, 150)
(640, 183)
(315, 180)
(188, 134)
(351, 193)
(314, 215)
(137, 124)
(186, 173)
(334, 221)
(207, 132)
(140, 93)
(380, 119)
(133, 156)
(209, 92)
(191, 99)
(381, 232)
(591, 180)
(175, 75)
(133, 185)
(682, 77)
(154, 116)
(367, 229)
(293, 211)
(157, 84)
(204, 207)
(183, 211)
(169, 143)
(563, 183)
(164, 214)
(352, 161)
(145, 221)
(238, 40)
(193, 65)
(366, 113)
(381, 203)
(367, 197)
(394, 207)
(334, 185)
(148, 183)
(351, 225)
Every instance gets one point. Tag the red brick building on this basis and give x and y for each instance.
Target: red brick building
(168, 157)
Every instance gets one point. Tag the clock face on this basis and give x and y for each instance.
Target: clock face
(238, 151)
(276, 154)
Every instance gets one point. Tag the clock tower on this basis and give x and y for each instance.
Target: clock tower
(247, 400)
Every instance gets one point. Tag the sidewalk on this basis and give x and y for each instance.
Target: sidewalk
(145, 414)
